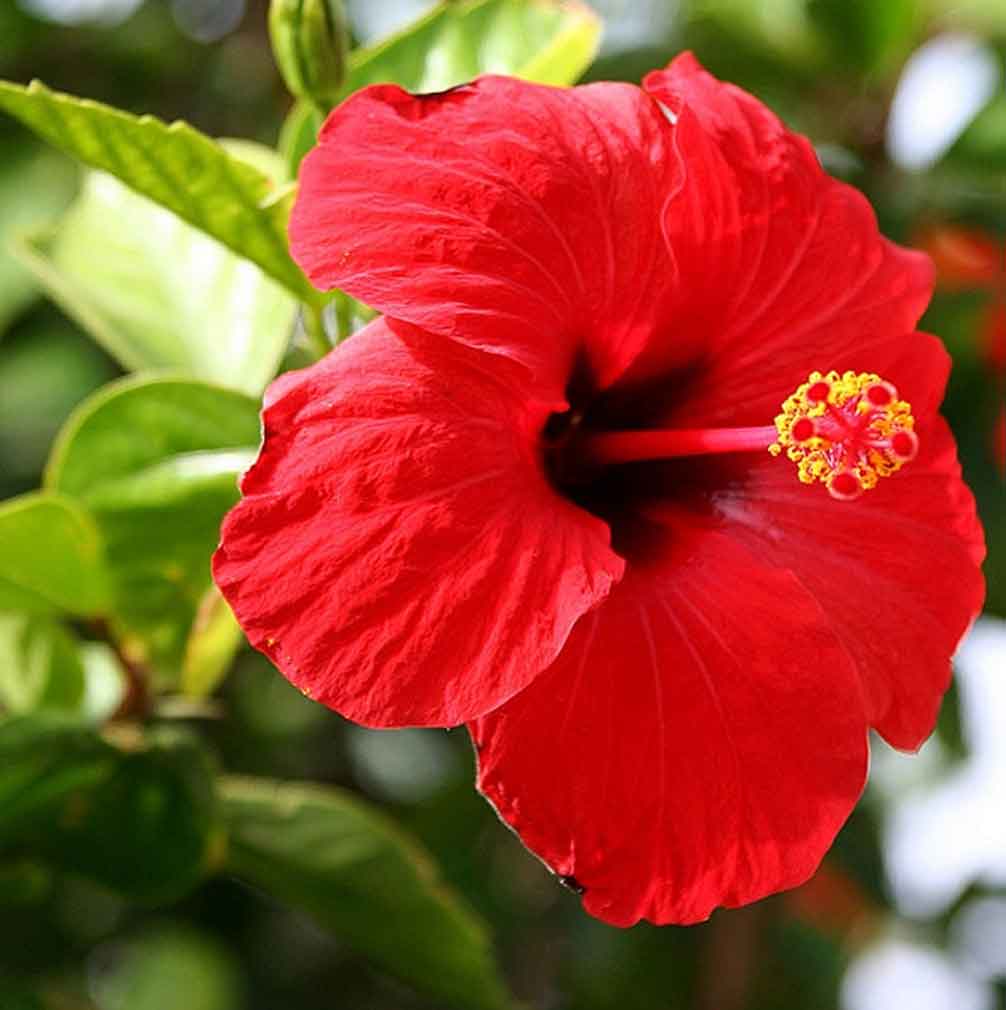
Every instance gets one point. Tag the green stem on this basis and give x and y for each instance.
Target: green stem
(344, 315)
(314, 326)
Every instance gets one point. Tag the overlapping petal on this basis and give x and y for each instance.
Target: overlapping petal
(896, 573)
(780, 269)
(517, 218)
(398, 552)
(694, 734)
(698, 743)
(898, 576)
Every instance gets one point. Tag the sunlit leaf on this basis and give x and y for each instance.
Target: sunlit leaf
(40, 665)
(156, 461)
(158, 293)
(352, 871)
(52, 183)
(51, 558)
(546, 41)
(154, 967)
(176, 166)
(540, 40)
(982, 146)
(213, 641)
(299, 133)
(104, 681)
(975, 15)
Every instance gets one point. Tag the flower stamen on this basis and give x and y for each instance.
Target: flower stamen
(847, 431)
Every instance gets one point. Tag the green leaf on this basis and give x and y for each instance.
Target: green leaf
(771, 37)
(44, 761)
(50, 558)
(153, 967)
(540, 40)
(987, 17)
(150, 830)
(23, 882)
(156, 461)
(14, 997)
(863, 34)
(300, 133)
(52, 179)
(982, 146)
(324, 852)
(157, 293)
(176, 166)
(105, 682)
(143, 822)
(40, 665)
(209, 652)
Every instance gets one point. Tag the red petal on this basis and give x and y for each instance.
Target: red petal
(398, 552)
(781, 269)
(897, 571)
(698, 742)
(513, 217)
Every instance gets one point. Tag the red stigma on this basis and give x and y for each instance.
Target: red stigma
(905, 444)
(880, 394)
(845, 486)
(847, 431)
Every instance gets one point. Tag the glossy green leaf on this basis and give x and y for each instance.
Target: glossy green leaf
(157, 293)
(158, 964)
(766, 39)
(23, 882)
(213, 641)
(150, 829)
(53, 179)
(16, 997)
(299, 133)
(982, 146)
(142, 821)
(104, 681)
(45, 760)
(156, 461)
(51, 558)
(176, 166)
(988, 16)
(540, 40)
(351, 870)
(40, 665)
(863, 34)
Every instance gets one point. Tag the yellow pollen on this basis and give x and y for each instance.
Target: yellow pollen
(846, 430)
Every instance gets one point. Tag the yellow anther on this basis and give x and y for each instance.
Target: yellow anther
(845, 430)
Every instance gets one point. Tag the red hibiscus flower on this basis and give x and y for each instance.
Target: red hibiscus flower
(535, 497)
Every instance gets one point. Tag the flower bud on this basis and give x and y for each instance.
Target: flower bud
(309, 41)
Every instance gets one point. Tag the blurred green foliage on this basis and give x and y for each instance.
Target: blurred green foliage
(149, 855)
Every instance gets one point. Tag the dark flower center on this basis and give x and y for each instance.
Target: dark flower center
(609, 455)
